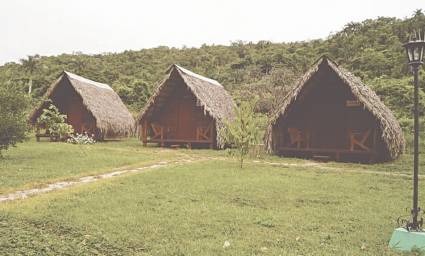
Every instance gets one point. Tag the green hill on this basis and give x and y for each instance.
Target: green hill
(371, 49)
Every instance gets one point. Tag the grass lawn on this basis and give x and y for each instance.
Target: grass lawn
(404, 164)
(193, 209)
(32, 164)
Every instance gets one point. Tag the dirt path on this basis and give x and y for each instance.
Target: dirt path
(311, 166)
(21, 194)
(323, 167)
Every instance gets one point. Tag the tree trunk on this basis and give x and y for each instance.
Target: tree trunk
(30, 86)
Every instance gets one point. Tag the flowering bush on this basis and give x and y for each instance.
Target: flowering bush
(81, 139)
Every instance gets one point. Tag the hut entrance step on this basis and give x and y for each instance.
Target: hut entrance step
(322, 158)
(50, 137)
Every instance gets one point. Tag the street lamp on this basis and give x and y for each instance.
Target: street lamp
(415, 53)
(412, 235)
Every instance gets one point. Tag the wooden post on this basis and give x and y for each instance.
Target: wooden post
(213, 136)
(145, 133)
(374, 140)
(277, 135)
(162, 136)
(37, 132)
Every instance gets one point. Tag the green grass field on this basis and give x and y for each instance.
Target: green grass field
(295, 207)
(33, 164)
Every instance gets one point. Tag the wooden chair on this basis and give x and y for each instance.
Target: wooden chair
(158, 131)
(204, 132)
(298, 137)
(358, 139)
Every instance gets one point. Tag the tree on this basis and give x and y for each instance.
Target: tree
(397, 94)
(244, 130)
(13, 123)
(134, 92)
(30, 66)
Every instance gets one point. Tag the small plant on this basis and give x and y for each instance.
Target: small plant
(54, 122)
(244, 131)
(62, 130)
(81, 139)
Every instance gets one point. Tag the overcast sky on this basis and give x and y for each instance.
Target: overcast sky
(51, 27)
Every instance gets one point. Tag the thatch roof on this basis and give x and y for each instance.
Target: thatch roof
(110, 113)
(210, 94)
(391, 131)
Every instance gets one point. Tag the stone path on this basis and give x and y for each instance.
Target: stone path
(21, 194)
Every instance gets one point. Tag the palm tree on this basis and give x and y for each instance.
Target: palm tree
(30, 65)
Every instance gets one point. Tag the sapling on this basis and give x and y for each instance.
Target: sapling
(243, 131)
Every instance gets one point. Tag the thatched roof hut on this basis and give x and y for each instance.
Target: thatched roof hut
(181, 105)
(330, 99)
(91, 106)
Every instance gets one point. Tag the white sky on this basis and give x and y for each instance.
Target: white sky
(51, 27)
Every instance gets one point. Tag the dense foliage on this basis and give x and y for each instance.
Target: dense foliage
(13, 124)
(371, 49)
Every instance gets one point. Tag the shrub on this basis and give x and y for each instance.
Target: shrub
(54, 122)
(13, 123)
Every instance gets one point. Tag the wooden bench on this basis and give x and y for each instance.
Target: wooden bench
(321, 158)
(299, 137)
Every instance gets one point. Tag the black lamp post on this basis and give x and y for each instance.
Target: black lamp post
(411, 235)
(415, 49)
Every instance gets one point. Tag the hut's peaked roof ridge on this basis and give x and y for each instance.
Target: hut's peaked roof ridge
(391, 130)
(87, 81)
(193, 74)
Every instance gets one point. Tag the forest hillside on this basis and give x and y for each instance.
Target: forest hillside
(371, 49)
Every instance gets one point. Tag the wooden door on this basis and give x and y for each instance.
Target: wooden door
(328, 126)
(75, 116)
(186, 129)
